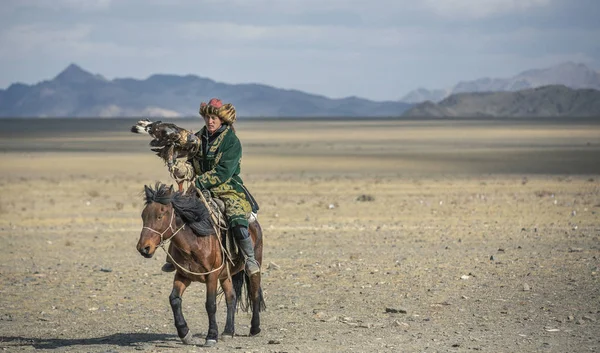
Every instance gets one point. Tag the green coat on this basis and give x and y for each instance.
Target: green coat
(217, 166)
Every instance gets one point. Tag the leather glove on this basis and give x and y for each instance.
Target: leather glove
(182, 171)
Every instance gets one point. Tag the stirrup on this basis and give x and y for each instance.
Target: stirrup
(249, 265)
(168, 267)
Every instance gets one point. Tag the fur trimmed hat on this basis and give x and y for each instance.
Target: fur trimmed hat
(216, 107)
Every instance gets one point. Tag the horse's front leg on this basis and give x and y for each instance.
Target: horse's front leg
(179, 285)
(211, 309)
(230, 299)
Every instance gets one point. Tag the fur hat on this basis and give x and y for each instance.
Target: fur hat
(216, 107)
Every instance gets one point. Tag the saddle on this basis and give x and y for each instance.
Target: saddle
(217, 209)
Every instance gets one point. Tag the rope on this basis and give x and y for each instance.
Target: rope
(215, 221)
(163, 242)
(162, 245)
(226, 254)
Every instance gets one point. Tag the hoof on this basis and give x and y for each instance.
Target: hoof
(188, 339)
(168, 267)
(254, 332)
(227, 334)
(210, 343)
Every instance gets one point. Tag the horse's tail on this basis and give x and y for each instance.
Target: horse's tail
(261, 300)
(238, 283)
(239, 279)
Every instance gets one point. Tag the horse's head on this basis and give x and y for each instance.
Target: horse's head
(158, 217)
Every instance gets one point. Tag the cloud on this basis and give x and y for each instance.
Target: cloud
(479, 9)
(376, 49)
(70, 43)
(77, 5)
(30, 38)
(298, 37)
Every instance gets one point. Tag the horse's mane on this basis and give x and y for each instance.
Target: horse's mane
(188, 207)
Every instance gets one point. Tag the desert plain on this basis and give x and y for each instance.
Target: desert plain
(381, 235)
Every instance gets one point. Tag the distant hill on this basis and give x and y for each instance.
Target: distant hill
(77, 93)
(569, 74)
(421, 95)
(546, 101)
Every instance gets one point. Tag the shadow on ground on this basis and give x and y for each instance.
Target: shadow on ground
(118, 339)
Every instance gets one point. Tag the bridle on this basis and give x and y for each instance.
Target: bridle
(163, 241)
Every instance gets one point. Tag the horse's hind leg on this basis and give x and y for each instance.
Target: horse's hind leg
(256, 299)
(179, 285)
(230, 299)
(253, 282)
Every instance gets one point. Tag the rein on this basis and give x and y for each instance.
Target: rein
(225, 255)
(164, 242)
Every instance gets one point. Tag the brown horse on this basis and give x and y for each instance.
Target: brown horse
(199, 256)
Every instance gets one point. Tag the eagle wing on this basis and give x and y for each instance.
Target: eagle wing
(169, 141)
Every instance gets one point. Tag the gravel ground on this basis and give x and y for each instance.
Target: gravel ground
(383, 236)
(492, 264)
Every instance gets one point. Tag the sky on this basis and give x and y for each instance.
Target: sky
(375, 49)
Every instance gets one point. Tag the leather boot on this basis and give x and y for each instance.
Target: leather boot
(252, 266)
(241, 235)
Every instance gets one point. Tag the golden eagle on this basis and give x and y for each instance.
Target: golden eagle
(169, 141)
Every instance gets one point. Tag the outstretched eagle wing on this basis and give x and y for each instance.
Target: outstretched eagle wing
(169, 141)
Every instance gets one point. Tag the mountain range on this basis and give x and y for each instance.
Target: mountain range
(569, 74)
(77, 93)
(545, 101)
(567, 89)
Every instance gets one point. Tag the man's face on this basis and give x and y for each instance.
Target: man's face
(213, 123)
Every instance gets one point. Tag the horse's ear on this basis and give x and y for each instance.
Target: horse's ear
(171, 190)
(148, 192)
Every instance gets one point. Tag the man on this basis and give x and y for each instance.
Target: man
(216, 168)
